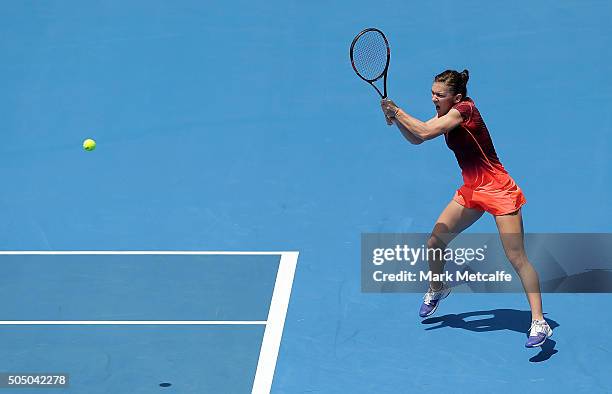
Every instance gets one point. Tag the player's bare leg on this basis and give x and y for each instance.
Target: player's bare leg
(454, 219)
(512, 236)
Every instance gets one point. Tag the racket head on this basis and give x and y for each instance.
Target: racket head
(370, 55)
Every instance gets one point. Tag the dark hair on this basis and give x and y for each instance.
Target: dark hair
(456, 81)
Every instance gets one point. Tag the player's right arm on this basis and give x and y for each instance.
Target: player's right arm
(432, 119)
(413, 139)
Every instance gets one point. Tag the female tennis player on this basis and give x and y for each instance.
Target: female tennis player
(487, 188)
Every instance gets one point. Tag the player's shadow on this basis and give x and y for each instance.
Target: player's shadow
(494, 320)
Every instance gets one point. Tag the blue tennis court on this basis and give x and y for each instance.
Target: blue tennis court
(232, 136)
(101, 315)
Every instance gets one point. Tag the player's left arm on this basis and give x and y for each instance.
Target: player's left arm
(422, 130)
(433, 127)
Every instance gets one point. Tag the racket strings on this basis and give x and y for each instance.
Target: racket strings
(370, 55)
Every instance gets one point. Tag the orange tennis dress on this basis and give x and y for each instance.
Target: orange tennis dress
(486, 184)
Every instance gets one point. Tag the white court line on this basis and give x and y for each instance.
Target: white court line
(134, 252)
(131, 322)
(276, 322)
(273, 326)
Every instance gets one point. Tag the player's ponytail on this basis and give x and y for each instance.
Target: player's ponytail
(465, 76)
(456, 81)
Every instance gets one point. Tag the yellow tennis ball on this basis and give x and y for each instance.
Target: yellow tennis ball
(89, 144)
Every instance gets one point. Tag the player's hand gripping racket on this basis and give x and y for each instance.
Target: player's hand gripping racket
(370, 56)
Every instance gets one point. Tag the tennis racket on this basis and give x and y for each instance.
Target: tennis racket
(370, 56)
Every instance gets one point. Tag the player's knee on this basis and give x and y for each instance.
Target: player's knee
(518, 259)
(435, 243)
